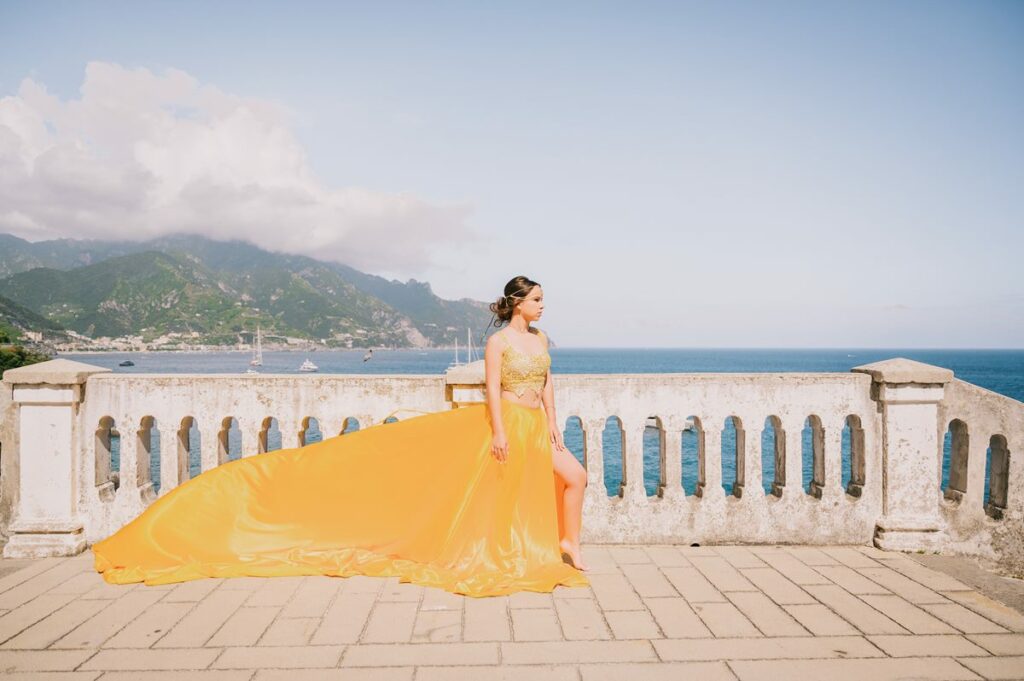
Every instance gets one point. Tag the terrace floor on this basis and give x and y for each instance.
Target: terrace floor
(653, 612)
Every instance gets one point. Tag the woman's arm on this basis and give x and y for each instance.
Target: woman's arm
(548, 400)
(492, 383)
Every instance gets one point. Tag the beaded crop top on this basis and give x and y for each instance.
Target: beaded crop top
(521, 371)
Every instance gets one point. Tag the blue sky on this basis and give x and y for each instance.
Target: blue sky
(675, 174)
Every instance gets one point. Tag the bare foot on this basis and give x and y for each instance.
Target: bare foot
(572, 552)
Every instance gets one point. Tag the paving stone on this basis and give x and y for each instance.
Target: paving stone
(777, 587)
(725, 620)
(908, 615)
(313, 597)
(902, 585)
(284, 657)
(740, 556)
(599, 560)
(809, 555)
(487, 619)
(439, 599)
(855, 611)
(996, 668)
(275, 591)
(849, 557)
(820, 620)
(632, 624)
(42, 660)
(51, 676)
(97, 629)
(768, 617)
(676, 618)
(79, 584)
(197, 674)
(438, 626)
(765, 648)
(31, 569)
(38, 584)
(666, 556)
(628, 555)
(423, 654)
(793, 569)
(361, 584)
(345, 619)
(582, 620)
(572, 592)
(664, 671)
(535, 624)
(1002, 615)
(941, 645)
(244, 627)
(150, 659)
(58, 623)
(531, 673)
(24, 616)
(648, 581)
(901, 669)
(290, 631)
(721, 574)
(365, 674)
(203, 621)
(243, 584)
(959, 617)
(613, 592)
(936, 581)
(851, 580)
(1000, 644)
(391, 623)
(693, 586)
(401, 592)
(150, 626)
(530, 599)
(192, 591)
(572, 652)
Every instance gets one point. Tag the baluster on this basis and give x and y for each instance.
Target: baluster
(289, 433)
(209, 447)
(250, 436)
(833, 456)
(977, 446)
(672, 485)
(634, 465)
(171, 474)
(595, 460)
(710, 485)
(753, 471)
(793, 427)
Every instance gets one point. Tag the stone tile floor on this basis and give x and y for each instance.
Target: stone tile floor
(654, 612)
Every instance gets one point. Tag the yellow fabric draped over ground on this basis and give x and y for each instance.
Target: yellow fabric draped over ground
(421, 499)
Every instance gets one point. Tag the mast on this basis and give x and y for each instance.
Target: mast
(456, 350)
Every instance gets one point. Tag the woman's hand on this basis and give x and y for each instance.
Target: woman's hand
(499, 447)
(556, 436)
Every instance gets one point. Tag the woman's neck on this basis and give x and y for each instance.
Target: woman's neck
(519, 324)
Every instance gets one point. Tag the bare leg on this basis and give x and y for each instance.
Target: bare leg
(574, 478)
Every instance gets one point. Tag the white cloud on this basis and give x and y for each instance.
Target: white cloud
(140, 155)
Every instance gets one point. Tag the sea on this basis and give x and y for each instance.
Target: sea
(1001, 371)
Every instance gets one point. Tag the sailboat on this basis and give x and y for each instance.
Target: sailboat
(308, 366)
(257, 350)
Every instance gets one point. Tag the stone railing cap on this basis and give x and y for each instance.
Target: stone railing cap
(53, 372)
(902, 370)
(465, 374)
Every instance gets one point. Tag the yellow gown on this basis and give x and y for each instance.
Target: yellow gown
(421, 499)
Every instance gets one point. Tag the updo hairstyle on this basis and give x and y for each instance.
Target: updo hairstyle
(516, 291)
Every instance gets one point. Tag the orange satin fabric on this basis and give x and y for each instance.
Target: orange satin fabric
(421, 499)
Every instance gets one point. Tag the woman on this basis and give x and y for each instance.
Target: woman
(462, 500)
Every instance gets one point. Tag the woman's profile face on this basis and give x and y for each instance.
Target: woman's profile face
(532, 306)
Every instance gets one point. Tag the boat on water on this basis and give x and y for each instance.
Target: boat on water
(257, 349)
(308, 366)
(250, 370)
(127, 363)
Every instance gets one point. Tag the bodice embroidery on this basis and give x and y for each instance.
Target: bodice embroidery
(521, 371)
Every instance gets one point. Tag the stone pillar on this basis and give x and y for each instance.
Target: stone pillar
(908, 393)
(47, 398)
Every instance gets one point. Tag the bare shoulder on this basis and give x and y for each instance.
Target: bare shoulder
(539, 333)
(495, 340)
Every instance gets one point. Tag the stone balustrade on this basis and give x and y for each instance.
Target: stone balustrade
(875, 450)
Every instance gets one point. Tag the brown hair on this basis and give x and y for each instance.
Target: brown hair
(516, 291)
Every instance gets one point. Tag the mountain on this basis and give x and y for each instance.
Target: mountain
(16, 319)
(218, 290)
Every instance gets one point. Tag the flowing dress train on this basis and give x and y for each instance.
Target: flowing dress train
(422, 499)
